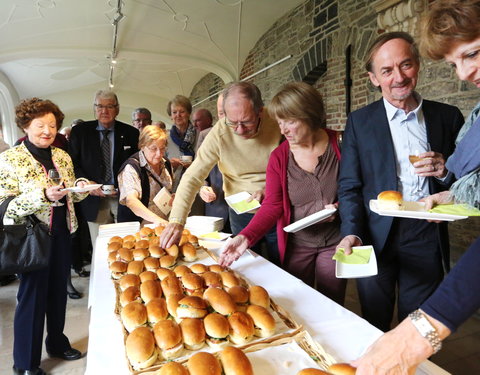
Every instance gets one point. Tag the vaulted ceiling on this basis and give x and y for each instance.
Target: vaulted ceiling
(62, 49)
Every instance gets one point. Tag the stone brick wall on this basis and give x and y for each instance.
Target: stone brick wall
(316, 34)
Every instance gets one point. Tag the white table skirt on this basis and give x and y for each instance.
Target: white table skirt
(341, 333)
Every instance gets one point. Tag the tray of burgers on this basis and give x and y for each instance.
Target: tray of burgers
(188, 307)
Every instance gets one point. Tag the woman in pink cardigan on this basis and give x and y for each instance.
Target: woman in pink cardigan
(301, 180)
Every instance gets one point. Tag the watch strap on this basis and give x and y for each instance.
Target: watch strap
(425, 328)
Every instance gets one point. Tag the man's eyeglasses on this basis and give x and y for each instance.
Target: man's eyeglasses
(108, 107)
(243, 124)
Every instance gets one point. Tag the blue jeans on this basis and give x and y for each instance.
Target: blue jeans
(238, 222)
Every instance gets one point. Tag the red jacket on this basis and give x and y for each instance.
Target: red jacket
(276, 204)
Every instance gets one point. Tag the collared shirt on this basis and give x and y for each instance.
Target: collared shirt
(409, 132)
(111, 138)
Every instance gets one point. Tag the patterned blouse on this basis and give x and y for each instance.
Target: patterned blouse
(129, 182)
(24, 177)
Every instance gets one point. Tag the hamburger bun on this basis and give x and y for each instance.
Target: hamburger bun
(168, 338)
(240, 296)
(193, 333)
(263, 321)
(146, 232)
(216, 268)
(172, 251)
(217, 330)
(151, 264)
(133, 315)
(142, 244)
(156, 310)
(115, 239)
(118, 269)
(140, 254)
(136, 267)
(235, 362)
(172, 304)
(189, 252)
(153, 241)
(114, 246)
(172, 368)
(192, 284)
(204, 363)
(156, 251)
(162, 273)
(181, 270)
(140, 348)
(183, 239)
(341, 369)
(112, 257)
(125, 255)
(191, 307)
(168, 261)
(193, 239)
(212, 279)
(131, 294)
(242, 328)
(130, 238)
(149, 290)
(129, 244)
(170, 286)
(148, 275)
(390, 200)
(220, 301)
(198, 268)
(128, 280)
(312, 371)
(259, 296)
(229, 279)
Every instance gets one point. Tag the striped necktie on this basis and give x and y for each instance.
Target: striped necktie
(107, 170)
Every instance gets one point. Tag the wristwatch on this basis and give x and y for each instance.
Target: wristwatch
(425, 328)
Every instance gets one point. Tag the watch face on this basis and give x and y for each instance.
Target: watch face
(424, 326)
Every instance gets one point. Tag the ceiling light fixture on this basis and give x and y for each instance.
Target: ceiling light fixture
(119, 16)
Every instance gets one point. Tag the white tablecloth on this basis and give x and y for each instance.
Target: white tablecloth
(342, 334)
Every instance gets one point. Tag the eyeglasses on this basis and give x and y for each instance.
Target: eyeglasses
(155, 149)
(108, 107)
(243, 124)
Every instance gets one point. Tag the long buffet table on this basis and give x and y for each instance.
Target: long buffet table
(340, 332)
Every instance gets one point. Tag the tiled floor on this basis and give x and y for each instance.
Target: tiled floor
(460, 355)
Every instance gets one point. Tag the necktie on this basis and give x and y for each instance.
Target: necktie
(107, 170)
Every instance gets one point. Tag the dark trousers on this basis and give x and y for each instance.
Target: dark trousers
(410, 263)
(41, 294)
(238, 222)
(315, 267)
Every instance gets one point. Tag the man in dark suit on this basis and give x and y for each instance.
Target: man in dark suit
(376, 146)
(98, 149)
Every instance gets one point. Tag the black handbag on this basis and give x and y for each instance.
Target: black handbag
(23, 247)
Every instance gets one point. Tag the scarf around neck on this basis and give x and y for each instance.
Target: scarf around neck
(465, 161)
(186, 143)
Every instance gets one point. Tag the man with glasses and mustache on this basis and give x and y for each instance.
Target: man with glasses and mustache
(98, 149)
(240, 143)
(375, 158)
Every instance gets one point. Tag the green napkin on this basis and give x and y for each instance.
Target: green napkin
(456, 209)
(214, 235)
(359, 255)
(243, 206)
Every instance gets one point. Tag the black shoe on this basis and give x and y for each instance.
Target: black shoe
(37, 371)
(82, 272)
(8, 279)
(75, 294)
(68, 355)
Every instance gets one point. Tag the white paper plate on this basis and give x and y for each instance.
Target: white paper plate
(238, 198)
(414, 210)
(77, 189)
(309, 220)
(223, 236)
(352, 271)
